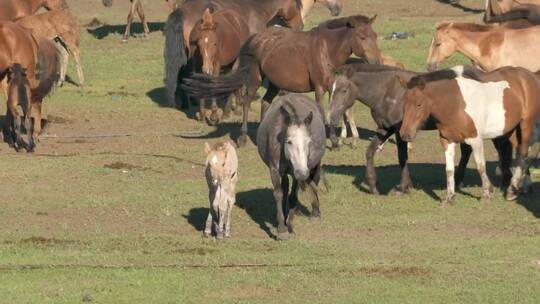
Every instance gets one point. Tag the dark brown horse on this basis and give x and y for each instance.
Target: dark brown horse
(38, 60)
(293, 61)
(257, 14)
(469, 106)
(219, 37)
(16, 9)
(137, 8)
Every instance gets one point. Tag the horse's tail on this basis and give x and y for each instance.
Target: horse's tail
(175, 52)
(509, 16)
(201, 85)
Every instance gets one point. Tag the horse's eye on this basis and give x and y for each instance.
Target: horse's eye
(437, 44)
(418, 105)
(289, 142)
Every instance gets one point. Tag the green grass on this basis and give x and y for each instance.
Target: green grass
(72, 228)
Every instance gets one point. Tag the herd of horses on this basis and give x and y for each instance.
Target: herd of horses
(225, 50)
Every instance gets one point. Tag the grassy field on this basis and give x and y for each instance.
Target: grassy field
(119, 219)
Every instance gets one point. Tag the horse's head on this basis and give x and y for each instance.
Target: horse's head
(107, 3)
(207, 42)
(296, 141)
(334, 6)
(416, 107)
(216, 163)
(443, 45)
(55, 4)
(342, 97)
(364, 39)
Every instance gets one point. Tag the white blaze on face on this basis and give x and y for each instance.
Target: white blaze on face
(297, 149)
(484, 104)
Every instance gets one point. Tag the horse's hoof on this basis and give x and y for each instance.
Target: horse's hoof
(219, 235)
(459, 186)
(511, 196)
(207, 234)
(227, 235)
(124, 40)
(315, 216)
(374, 191)
(400, 191)
(283, 236)
(447, 202)
(242, 141)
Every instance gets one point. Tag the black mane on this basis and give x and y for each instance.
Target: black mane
(447, 74)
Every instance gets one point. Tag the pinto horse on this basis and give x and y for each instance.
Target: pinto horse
(63, 24)
(179, 49)
(37, 59)
(379, 88)
(11, 10)
(291, 60)
(487, 46)
(219, 37)
(137, 8)
(469, 106)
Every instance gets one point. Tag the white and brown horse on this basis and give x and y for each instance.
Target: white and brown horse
(469, 106)
(489, 47)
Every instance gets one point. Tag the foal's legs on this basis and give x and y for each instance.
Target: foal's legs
(466, 152)
(36, 130)
(132, 10)
(279, 197)
(315, 204)
(293, 202)
(140, 12)
(64, 59)
(403, 156)
(230, 204)
(449, 153)
(252, 86)
(380, 137)
(349, 117)
(75, 51)
(522, 151)
(477, 145)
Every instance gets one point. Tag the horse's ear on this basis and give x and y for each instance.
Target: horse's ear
(207, 20)
(421, 83)
(286, 115)
(350, 23)
(308, 119)
(207, 148)
(402, 82)
(372, 19)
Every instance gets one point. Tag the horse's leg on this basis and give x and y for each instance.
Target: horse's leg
(229, 104)
(319, 95)
(293, 202)
(352, 124)
(230, 205)
(380, 137)
(4, 86)
(36, 129)
(268, 97)
(466, 152)
(403, 156)
(477, 146)
(315, 204)
(343, 134)
(208, 226)
(64, 60)
(222, 216)
(16, 126)
(77, 56)
(202, 109)
(449, 153)
(140, 12)
(522, 152)
(279, 197)
(132, 9)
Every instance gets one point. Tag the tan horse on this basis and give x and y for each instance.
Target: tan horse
(137, 8)
(221, 174)
(499, 7)
(11, 10)
(59, 23)
(489, 47)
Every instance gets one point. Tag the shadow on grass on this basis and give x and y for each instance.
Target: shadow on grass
(197, 217)
(427, 176)
(259, 204)
(456, 4)
(531, 202)
(105, 30)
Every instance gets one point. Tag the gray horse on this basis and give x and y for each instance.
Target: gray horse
(291, 141)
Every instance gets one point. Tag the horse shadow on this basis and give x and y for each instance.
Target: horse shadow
(105, 30)
(196, 217)
(259, 204)
(426, 176)
(456, 4)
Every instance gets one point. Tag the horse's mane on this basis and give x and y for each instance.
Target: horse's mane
(447, 74)
(343, 22)
(464, 26)
(348, 70)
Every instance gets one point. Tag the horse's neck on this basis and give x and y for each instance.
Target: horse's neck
(468, 45)
(269, 8)
(339, 47)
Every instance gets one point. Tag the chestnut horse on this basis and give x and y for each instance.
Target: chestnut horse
(37, 59)
(257, 14)
(63, 24)
(137, 8)
(291, 60)
(11, 10)
(219, 37)
(487, 46)
(468, 106)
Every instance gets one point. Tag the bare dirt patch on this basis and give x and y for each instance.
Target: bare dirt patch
(40, 240)
(393, 271)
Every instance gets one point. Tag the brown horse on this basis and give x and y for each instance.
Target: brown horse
(487, 46)
(18, 95)
(137, 8)
(469, 106)
(495, 8)
(39, 58)
(291, 60)
(257, 14)
(63, 24)
(11, 10)
(529, 12)
(219, 37)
